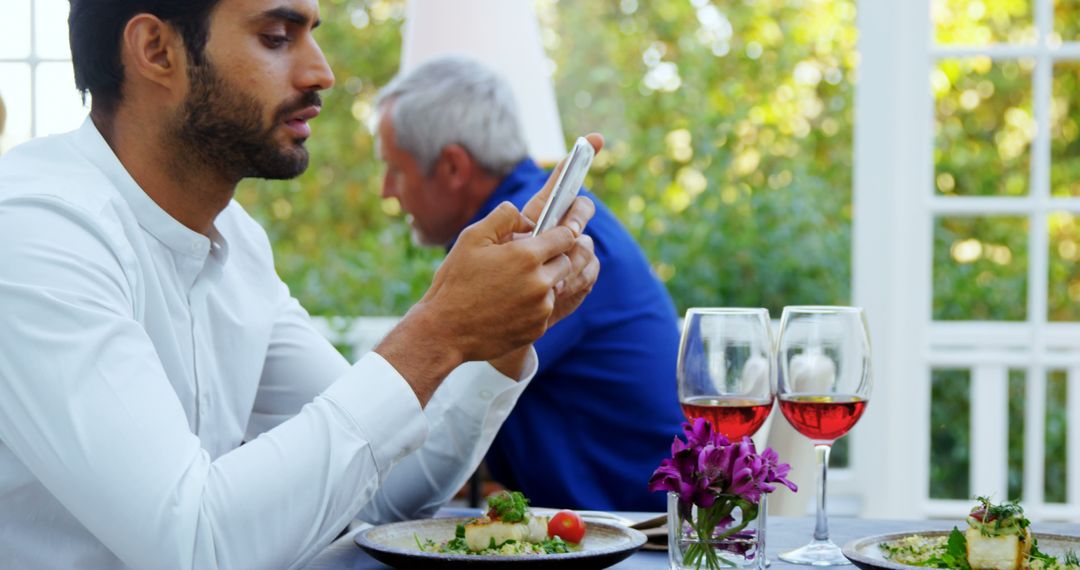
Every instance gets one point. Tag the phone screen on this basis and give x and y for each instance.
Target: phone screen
(566, 186)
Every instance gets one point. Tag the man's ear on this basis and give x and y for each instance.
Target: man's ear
(154, 51)
(455, 167)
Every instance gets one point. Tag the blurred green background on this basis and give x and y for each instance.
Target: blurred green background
(729, 158)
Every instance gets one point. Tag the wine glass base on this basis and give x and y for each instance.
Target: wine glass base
(817, 553)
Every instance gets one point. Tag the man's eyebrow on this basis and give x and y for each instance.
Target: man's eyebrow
(289, 15)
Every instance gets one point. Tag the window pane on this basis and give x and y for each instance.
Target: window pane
(15, 29)
(1017, 397)
(15, 91)
(982, 22)
(58, 106)
(50, 19)
(983, 126)
(950, 434)
(980, 268)
(840, 457)
(1065, 131)
(1063, 297)
(1067, 20)
(1057, 393)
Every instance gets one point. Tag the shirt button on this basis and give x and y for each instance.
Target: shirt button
(486, 395)
(195, 246)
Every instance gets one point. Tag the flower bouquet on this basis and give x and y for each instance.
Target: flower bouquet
(716, 491)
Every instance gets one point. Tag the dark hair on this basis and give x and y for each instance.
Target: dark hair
(96, 28)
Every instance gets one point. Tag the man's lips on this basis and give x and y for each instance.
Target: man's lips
(297, 122)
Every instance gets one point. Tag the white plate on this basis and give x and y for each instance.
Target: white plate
(866, 552)
(395, 544)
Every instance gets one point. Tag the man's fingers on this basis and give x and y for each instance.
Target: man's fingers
(556, 270)
(498, 226)
(584, 266)
(579, 214)
(556, 241)
(596, 140)
(535, 204)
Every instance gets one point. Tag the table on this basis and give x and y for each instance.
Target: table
(782, 533)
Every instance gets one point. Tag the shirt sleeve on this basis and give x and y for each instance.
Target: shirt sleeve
(464, 415)
(300, 365)
(87, 407)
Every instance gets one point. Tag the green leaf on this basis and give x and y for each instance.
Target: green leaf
(955, 553)
(1037, 554)
(508, 506)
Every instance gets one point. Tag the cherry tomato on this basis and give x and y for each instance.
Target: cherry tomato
(568, 526)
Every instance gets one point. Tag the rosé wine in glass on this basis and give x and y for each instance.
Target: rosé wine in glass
(823, 385)
(726, 368)
(732, 416)
(822, 418)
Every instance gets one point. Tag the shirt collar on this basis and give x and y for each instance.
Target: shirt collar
(151, 217)
(524, 172)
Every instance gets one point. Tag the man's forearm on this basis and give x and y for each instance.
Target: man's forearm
(416, 350)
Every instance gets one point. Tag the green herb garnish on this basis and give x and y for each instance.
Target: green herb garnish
(995, 520)
(555, 545)
(955, 555)
(508, 506)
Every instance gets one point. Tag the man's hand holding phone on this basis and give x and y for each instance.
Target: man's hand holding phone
(585, 268)
(498, 290)
(557, 202)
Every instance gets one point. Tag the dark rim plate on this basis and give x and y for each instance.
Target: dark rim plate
(866, 552)
(395, 544)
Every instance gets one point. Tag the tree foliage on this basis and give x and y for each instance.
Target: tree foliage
(729, 158)
(729, 154)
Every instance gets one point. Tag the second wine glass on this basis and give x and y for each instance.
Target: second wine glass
(726, 367)
(823, 385)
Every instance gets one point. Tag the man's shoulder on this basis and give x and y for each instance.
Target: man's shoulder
(53, 169)
(608, 231)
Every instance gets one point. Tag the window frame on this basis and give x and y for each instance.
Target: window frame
(33, 60)
(894, 211)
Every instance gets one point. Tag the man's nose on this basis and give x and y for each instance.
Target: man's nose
(316, 75)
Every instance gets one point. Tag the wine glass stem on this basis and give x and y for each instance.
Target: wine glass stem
(821, 529)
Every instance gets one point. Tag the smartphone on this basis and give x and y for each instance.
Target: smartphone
(566, 186)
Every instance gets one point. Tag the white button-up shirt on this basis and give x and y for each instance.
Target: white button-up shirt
(136, 355)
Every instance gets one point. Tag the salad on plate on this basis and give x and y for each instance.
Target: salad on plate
(997, 537)
(509, 527)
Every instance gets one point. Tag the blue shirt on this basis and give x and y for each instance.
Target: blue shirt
(603, 409)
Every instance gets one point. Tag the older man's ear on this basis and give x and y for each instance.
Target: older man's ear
(455, 167)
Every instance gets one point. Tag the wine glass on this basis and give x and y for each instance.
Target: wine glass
(823, 385)
(725, 369)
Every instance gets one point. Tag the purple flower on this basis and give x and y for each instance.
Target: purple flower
(706, 465)
(777, 471)
(714, 463)
(747, 473)
(721, 478)
(698, 432)
(680, 475)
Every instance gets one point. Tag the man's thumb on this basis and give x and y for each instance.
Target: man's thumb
(499, 226)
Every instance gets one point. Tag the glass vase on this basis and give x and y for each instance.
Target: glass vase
(729, 534)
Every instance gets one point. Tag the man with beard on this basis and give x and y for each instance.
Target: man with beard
(146, 335)
(601, 412)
